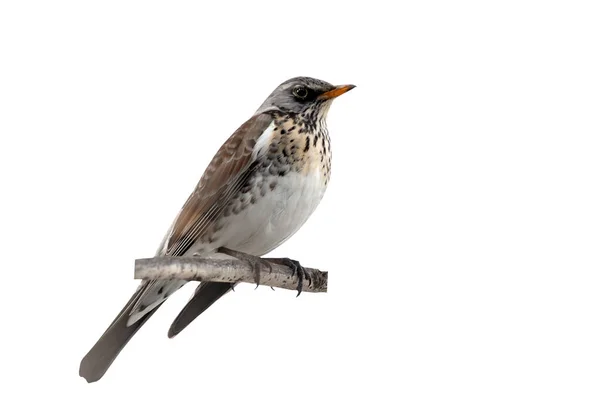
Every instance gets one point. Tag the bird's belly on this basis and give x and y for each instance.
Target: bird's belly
(269, 220)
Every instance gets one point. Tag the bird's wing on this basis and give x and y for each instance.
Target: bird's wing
(224, 174)
(223, 177)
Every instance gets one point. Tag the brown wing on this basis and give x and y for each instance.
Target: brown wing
(227, 170)
(222, 177)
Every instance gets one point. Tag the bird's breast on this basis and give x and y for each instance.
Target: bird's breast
(290, 173)
(258, 220)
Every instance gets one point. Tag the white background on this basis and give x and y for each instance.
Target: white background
(461, 228)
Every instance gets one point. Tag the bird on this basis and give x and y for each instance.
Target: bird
(260, 187)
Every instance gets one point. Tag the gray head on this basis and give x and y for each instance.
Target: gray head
(299, 94)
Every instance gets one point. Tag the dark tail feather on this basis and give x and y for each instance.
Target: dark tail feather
(206, 294)
(97, 361)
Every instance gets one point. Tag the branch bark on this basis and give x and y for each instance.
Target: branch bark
(218, 270)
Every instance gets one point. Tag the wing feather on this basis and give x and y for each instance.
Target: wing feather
(215, 187)
(225, 174)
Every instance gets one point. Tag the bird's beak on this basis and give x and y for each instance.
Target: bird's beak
(337, 91)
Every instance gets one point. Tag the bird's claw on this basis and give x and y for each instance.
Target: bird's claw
(257, 265)
(300, 271)
(255, 262)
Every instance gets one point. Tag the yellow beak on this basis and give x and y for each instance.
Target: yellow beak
(337, 91)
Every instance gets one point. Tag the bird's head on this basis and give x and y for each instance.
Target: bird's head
(303, 94)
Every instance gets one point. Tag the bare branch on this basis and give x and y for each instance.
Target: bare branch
(217, 270)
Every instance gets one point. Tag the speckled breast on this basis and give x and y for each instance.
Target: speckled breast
(289, 181)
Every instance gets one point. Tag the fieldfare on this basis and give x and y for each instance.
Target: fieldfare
(258, 190)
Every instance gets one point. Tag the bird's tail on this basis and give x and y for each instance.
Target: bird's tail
(206, 294)
(97, 361)
(145, 301)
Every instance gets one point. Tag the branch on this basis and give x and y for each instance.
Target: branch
(217, 270)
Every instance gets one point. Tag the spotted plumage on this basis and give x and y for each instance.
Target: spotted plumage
(260, 188)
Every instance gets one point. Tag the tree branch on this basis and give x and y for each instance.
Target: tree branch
(217, 270)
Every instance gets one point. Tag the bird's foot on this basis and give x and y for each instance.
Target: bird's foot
(256, 262)
(297, 269)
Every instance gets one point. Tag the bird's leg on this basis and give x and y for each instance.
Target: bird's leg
(255, 262)
(296, 269)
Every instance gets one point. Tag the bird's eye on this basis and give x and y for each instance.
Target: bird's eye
(300, 92)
